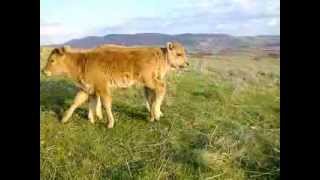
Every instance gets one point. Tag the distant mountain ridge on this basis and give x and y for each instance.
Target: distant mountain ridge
(193, 42)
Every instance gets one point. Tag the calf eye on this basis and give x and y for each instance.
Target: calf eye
(179, 54)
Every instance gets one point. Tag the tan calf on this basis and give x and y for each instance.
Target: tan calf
(95, 108)
(94, 101)
(98, 72)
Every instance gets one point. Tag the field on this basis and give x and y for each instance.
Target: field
(221, 121)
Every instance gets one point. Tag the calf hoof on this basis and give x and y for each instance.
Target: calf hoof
(157, 118)
(64, 121)
(151, 119)
(91, 119)
(161, 114)
(110, 125)
(99, 117)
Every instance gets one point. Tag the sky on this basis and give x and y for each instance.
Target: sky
(63, 20)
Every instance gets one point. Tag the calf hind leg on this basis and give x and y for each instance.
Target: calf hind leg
(80, 98)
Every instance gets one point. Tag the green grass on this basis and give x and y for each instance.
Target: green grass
(220, 123)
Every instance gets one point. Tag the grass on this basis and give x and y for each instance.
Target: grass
(221, 122)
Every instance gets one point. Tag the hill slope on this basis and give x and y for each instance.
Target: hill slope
(193, 42)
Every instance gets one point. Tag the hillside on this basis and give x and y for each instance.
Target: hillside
(208, 43)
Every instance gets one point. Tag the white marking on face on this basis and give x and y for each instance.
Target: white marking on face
(47, 73)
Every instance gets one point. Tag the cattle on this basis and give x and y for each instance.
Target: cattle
(94, 102)
(98, 72)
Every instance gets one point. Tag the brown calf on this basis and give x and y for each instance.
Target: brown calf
(98, 72)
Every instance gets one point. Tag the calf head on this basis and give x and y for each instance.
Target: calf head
(176, 55)
(56, 64)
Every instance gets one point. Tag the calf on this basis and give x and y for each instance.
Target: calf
(98, 72)
(94, 102)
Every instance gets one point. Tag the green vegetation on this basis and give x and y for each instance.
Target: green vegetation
(221, 122)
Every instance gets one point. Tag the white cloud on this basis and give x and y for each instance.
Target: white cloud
(274, 22)
(236, 17)
(247, 4)
(52, 32)
(49, 30)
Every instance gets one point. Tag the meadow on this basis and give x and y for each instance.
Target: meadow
(221, 121)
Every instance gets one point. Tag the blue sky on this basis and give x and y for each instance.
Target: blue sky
(62, 20)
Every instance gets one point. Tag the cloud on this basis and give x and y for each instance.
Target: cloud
(54, 32)
(247, 4)
(47, 29)
(274, 22)
(236, 17)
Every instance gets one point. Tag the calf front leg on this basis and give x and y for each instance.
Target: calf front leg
(80, 98)
(98, 107)
(92, 109)
(107, 103)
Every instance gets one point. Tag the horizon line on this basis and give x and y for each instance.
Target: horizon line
(51, 44)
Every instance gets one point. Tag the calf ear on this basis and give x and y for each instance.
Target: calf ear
(58, 51)
(66, 48)
(169, 45)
